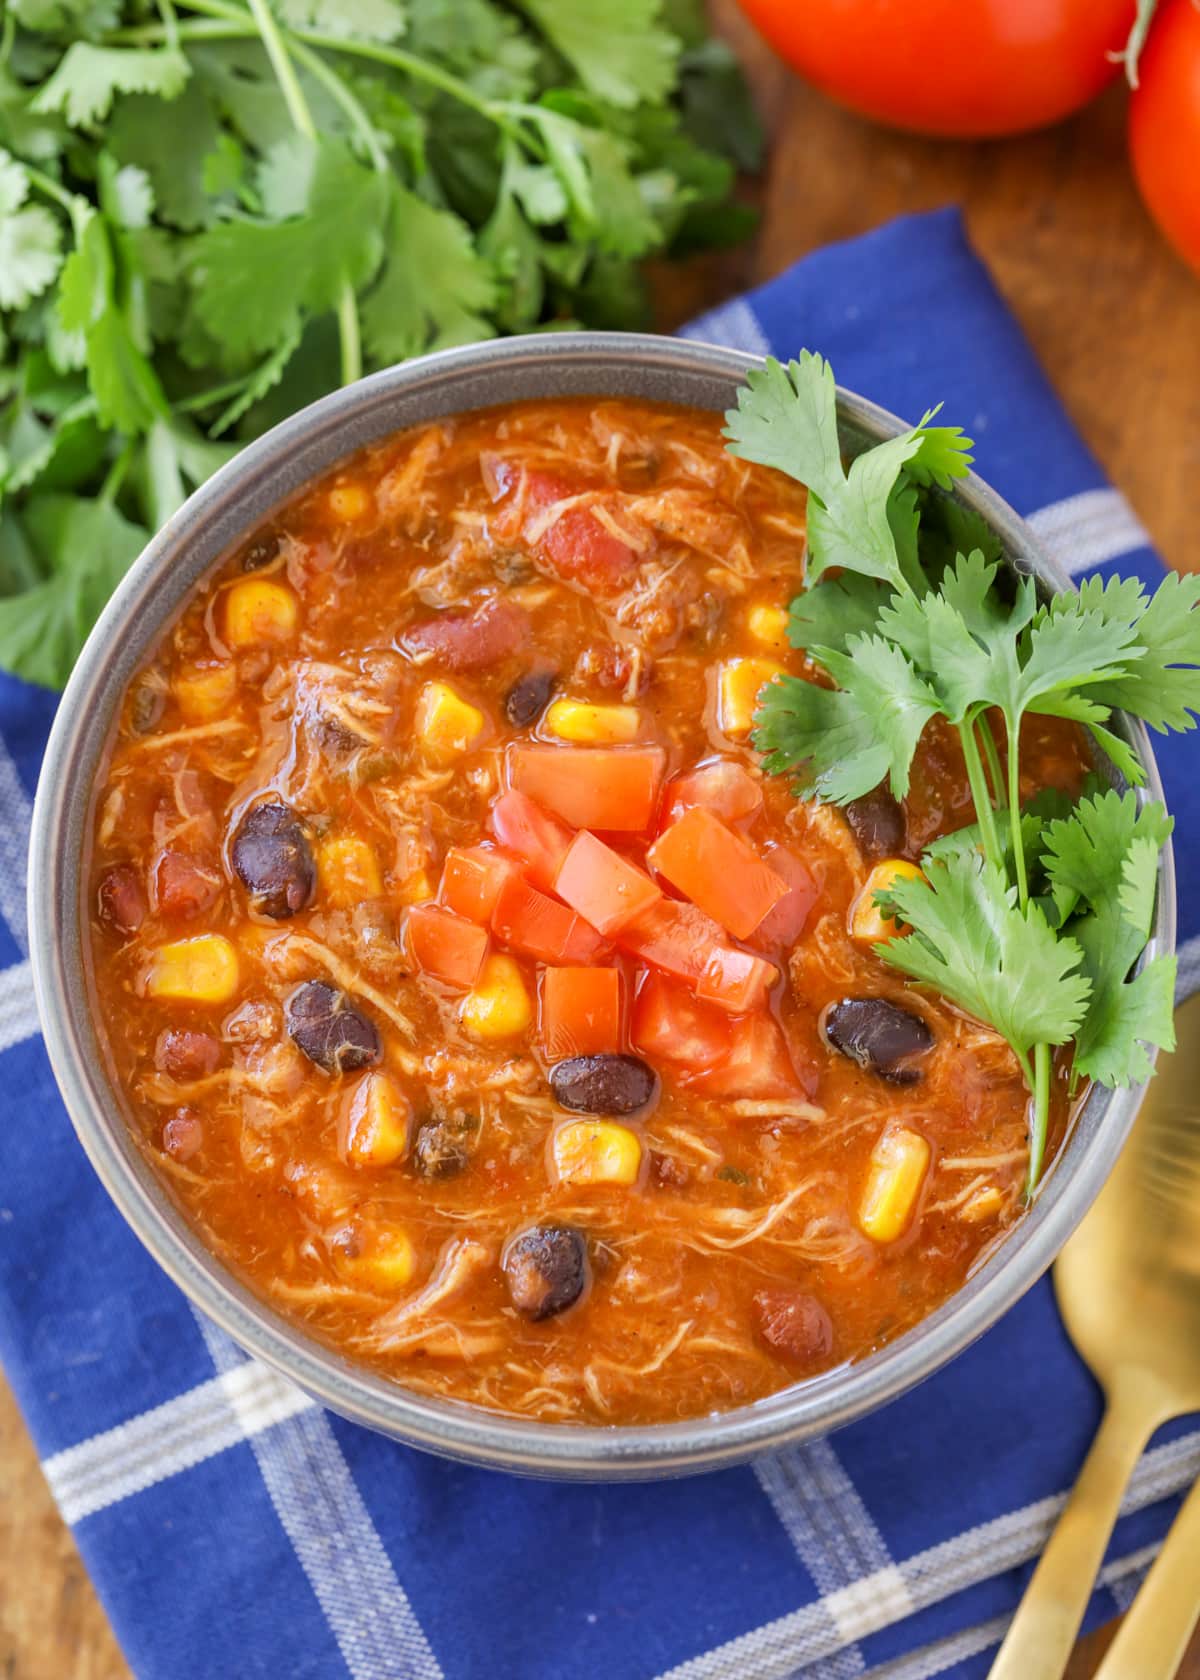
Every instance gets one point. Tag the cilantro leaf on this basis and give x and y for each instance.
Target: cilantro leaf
(84, 549)
(846, 740)
(1004, 965)
(835, 609)
(30, 241)
(1104, 859)
(618, 48)
(368, 20)
(787, 418)
(1160, 688)
(128, 393)
(89, 78)
(434, 288)
(251, 279)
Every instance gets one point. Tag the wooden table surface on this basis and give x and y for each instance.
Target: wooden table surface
(1116, 320)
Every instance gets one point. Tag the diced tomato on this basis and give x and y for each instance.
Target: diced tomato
(530, 831)
(736, 981)
(609, 788)
(606, 890)
(722, 786)
(670, 1025)
(577, 546)
(527, 920)
(718, 870)
(185, 885)
(465, 641)
(472, 878)
(677, 938)
(579, 1012)
(445, 946)
(784, 922)
(759, 1064)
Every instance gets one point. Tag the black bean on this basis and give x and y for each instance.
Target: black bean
(879, 1036)
(878, 823)
(332, 1032)
(603, 1084)
(529, 696)
(546, 1269)
(260, 551)
(147, 702)
(273, 860)
(440, 1148)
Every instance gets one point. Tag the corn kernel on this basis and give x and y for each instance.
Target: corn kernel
(383, 1260)
(205, 692)
(498, 1005)
(446, 722)
(257, 611)
(984, 1204)
(867, 921)
(374, 1123)
(203, 969)
(350, 502)
(768, 625)
(348, 871)
(738, 685)
(579, 720)
(596, 1152)
(899, 1162)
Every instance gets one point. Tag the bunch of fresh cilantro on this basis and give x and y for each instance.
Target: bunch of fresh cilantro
(1033, 918)
(213, 211)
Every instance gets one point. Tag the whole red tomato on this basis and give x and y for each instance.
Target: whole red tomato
(1164, 126)
(954, 67)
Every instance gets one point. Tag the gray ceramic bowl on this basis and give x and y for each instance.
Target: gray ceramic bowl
(236, 499)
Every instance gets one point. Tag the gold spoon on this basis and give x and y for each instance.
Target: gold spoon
(1128, 1286)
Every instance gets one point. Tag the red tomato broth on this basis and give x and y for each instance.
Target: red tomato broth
(755, 1150)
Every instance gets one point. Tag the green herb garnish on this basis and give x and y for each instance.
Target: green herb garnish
(1034, 917)
(211, 211)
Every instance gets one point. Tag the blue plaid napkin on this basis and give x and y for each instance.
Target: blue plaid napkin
(235, 1530)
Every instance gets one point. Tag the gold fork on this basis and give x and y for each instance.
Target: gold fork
(1128, 1285)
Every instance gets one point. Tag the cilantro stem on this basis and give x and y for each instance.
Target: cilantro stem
(1039, 1123)
(984, 810)
(293, 95)
(115, 477)
(1014, 812)
(337, 90)
(76, 207)
(991, 757)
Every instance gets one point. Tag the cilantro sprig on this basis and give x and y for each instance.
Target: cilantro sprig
(213, 211)
(1032, 918)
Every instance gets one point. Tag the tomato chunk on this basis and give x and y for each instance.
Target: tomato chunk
(722, 786)
(465, 641)
(602, 886)
(736, 980)
(579, 1012)
(784, 922)
(670, 1025)
(759, 1064)
(575, 545)
(472, 878)
(445, 946)
(609, 788)
(677, 938)
(718, 870)
(527, 920)
(530, 831)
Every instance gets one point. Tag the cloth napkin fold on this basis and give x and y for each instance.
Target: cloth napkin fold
(236, 1530)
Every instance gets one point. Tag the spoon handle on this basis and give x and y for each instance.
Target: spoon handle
(1153, 1637)
(1038, 1644)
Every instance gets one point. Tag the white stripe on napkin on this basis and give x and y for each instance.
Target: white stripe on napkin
(833, 1532)
(18, 1012)
(777, 1649)
(1088, 529)
(1122, 1577)
(733, 324)
(335, 1541)
(227, 1409)
(15, 815)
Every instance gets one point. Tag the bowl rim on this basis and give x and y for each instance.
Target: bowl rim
(282, 458)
